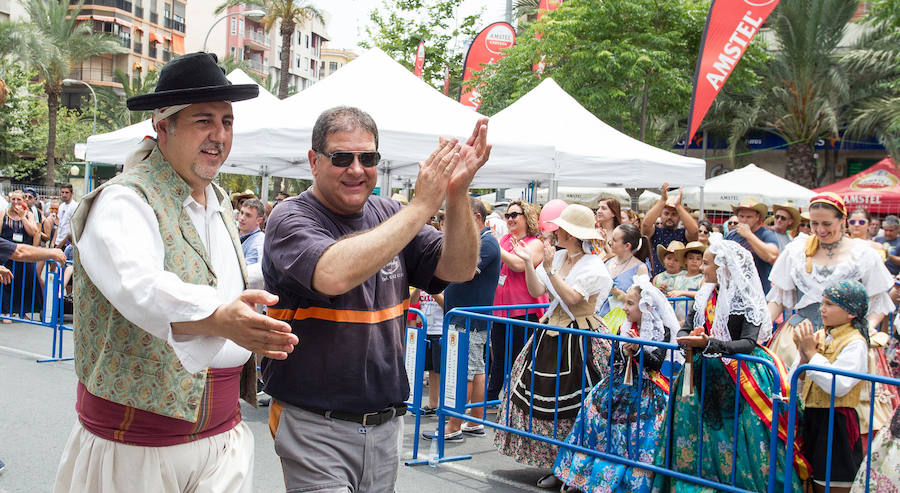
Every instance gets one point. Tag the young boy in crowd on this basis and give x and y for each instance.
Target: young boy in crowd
(665, 281)
(843, 344)
(688, 282)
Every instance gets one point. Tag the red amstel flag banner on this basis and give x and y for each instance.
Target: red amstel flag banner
(419, 65)
(487, 48)
(730, 26)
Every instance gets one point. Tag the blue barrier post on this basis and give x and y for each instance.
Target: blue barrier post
(415, 342)
(56, 298)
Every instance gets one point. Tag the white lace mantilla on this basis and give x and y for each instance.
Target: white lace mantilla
(790, 279)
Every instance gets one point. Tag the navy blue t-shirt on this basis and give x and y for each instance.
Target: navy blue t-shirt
(892, 248)
(7, 248)
(664, 236)
(763, 267)
(480, 290)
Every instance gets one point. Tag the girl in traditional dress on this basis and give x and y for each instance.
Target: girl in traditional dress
(808, 265)
(614, 405)
(729, 317)
(842, 345)
(574, 280)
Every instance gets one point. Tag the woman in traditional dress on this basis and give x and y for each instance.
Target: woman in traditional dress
(885, 461)
(609, 421)
(729, 317)
(808, 265)
(574, 279)
(630, 253)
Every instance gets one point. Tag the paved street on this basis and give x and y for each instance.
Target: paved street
(38, 410)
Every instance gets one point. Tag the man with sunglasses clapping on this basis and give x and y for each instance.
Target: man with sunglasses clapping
(341, 261)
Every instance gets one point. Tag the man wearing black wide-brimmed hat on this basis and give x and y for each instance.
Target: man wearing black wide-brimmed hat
(164, 328)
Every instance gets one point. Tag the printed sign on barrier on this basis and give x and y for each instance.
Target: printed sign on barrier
(412, 347)
(49, 297)
(451, 370)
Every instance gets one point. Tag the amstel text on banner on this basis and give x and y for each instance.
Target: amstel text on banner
(730, 27)
(487, 48)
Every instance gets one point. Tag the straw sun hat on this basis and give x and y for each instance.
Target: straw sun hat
(578, 221)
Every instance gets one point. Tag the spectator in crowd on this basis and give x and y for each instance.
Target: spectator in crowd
(732, 320)
(34, 205)
(477, 292)
(575, 280)
(432, 306)
(858, 228)
(67, 206)
(669, 212)
(875, 227)
(19, 226)
(631, 253)
(608, 217)
(638, 410)
(890, 241)
(238, 198)
(750, 234)
(164, 331)
(341, 261)
(251, 217)
(842, 344)
(495, 219)
(704, 229)
(281, 195)
(665, 281)
(631, 216)
(786, 218)
(717, 228)
(399, 197)
(731, 224)
(803, 227)
(522, 221)
(689, 281)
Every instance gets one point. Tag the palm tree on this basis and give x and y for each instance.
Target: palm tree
(804, 85)
(291, 13)
(65, 43)
(112, 104)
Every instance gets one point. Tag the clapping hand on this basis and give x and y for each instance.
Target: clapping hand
(473, 155)
(520, 251)
(549, 253)
(805, 338)
(629, 348)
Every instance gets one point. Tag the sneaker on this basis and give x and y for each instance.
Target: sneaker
(477, 430)
(456, 436)
(428, 410)
(264, 400)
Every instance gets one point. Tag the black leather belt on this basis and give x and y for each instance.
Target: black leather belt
(366, 419)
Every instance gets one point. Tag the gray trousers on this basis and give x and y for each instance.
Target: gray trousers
(329, 455)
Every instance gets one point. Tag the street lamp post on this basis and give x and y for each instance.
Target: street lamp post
(255, 14)
(87, 166)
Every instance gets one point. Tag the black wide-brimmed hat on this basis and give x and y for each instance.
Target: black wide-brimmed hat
(192, 78)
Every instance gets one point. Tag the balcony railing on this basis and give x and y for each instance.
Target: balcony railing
(173, 24)
(259, 38)
(119, 4)
(139, 12)
(154, 17)
(151, 50)
(166, 55)
(255, 65)
(93, 75)
(138, 48)
(125, 40)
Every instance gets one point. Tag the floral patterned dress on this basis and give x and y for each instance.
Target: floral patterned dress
(638, 416)
(884, 477)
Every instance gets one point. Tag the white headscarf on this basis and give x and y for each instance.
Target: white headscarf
(148, 143)
(657, 314)
(740, 291)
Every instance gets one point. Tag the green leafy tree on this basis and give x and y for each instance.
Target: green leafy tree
(113, 114)
(291, 14)
(629, 63)
(23, 111)
(398, 27)
(64, 43)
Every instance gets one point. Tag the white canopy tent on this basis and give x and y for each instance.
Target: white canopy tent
(411, 115)
(578, 195)
(723, 191)
(588, 151)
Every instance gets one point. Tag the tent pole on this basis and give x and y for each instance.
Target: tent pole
(553, 191)
(385, 185)
(264, 192)
(702, 214)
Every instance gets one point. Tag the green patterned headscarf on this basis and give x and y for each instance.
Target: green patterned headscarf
(853, 298)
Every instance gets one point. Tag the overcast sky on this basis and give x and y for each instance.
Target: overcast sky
(349, 17)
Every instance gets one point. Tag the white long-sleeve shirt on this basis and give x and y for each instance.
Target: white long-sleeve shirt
(854, 357)
(121, 251)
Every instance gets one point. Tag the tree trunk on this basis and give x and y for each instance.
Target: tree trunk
(644, 101)
(287, 34)
(277, 185)
(52, 114)
(801, 168)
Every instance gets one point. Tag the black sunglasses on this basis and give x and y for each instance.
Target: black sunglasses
(732, 223)
(343, 159)
(854, 222)
(513, 215)
(779, 217)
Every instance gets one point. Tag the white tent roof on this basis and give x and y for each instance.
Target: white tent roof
(253, 146)
(590, 152)
(579, 195)
(410, 115)
(726, 190)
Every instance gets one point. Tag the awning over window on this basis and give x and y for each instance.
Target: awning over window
(154, 38)
(178, 44)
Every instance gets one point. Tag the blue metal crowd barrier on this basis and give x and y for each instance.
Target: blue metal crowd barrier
(35, 296)
(454, 401)
(414, 350)
(792, 416)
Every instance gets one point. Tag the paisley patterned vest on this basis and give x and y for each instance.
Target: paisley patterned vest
(117, 360)
(813, 395)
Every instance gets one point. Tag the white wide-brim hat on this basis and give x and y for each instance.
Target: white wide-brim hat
(578, 221)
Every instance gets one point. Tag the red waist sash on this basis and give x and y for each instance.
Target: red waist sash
(220, 411)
